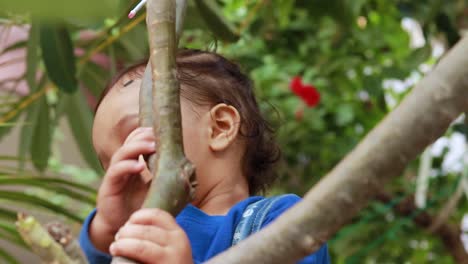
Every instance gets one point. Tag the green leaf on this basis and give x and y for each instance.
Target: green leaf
(285, 9)
(7, 214)
(57, 53)
(42, 136)
(7, 124)
(27, 130)
(32, 56)
(14, 46)
(338, 9)
(193, 18)
(94, 78)
(131, 42)
(53, 181)
(46, 185)
(8, 232)
(214, 19)
(13, 114)
(85, 9)
(32, 200)
(418, 56)
(7, 257)
(80, 120)
(344, 114)
(27, 133)
(10, 158)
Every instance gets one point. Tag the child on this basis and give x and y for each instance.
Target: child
(227, 139)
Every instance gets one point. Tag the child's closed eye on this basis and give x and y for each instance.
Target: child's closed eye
(127, 83)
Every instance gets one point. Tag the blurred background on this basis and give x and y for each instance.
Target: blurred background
(325, 73)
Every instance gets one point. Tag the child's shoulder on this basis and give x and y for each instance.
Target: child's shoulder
(269, 207)
(279, 204)
(258, 211)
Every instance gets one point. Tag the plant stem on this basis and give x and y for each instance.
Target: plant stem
(60, 249)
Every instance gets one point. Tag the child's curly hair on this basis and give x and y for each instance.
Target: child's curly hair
(209, 78)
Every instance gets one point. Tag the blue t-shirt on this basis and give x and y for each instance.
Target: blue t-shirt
(209, 235)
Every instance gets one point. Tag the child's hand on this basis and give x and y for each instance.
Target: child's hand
(123, 189)
(152, 236)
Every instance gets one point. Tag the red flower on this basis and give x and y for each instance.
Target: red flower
(308, 93)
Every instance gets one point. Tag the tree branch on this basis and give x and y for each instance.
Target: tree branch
(422, 117)
(173, 182)
(53, 246)
(447, 233)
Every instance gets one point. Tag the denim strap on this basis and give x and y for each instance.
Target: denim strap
(252, 218)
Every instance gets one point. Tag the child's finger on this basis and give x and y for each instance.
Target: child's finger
(143, 232)
(132, 151)
(145, 131)
(118, 171)
(155, 217)
(146, 136)
(139, 250)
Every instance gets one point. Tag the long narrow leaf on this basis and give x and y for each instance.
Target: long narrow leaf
(8, 232)
(7, 214)
(32, 56)
(8, 124)
(14, 46)
(94, 78)
(7, 257)
(26, 199)
(42, 137)
(80, 119)
(214, 19)
(6, 127)
(52, 180)
(16, 110)
(57, 53)
(64, 9)
(9, 158)
(26, 134)
(47, 186)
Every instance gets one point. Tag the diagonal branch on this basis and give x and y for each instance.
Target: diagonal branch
(54, 245)
(422, 117)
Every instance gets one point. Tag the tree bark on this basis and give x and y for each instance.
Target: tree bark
(423, 116)
(171, 189)
(55, 245)
(173, 183)
(449, 234)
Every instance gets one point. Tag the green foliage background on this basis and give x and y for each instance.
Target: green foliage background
(345, 48)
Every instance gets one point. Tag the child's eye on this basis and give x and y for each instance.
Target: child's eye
(127, 83)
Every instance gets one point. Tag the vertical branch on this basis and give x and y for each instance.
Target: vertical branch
(146, 109)
(146, 89)
(171, 188)
(173, 182)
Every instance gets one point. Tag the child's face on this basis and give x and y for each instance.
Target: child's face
(117, 117)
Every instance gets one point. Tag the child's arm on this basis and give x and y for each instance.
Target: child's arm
(152, 236)
(94, 255)
(122, 191)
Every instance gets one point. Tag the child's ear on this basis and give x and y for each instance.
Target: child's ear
(224, 127)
